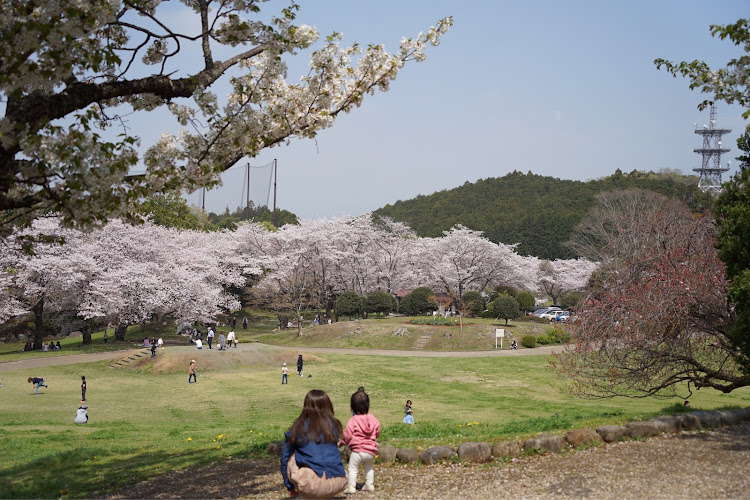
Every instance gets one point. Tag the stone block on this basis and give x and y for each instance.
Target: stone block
(506, 449)
(407, 455)
(474, 452)
(710, 419)
(689, 422)
(612, 433)
(436, 454)
(642, 429)
(546, 443)
(387, 454)
(668, 424)
(578, 437)
(731, 417)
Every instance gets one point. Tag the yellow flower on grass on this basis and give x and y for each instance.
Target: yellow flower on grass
(260, 433)
(190, 439)
(459, 425)
(214, 440)
(220, 436)
(218, 447)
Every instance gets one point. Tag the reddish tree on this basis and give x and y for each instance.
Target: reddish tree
(656, 317)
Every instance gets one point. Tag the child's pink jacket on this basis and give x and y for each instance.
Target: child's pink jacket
(361, 432)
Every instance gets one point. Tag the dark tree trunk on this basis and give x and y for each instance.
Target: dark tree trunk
(120, 330)
(87, 332)
(38, 311)
(283, 321)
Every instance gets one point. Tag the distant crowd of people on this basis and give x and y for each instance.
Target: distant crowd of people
(52, 346)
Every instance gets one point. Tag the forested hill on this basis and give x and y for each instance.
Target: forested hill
(536, 211)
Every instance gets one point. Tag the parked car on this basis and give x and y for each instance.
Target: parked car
(543, 310)
(550, 314)
(562, 316)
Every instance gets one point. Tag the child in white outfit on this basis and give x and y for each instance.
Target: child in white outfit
(360, 435)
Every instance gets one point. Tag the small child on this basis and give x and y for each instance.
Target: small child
(310, 460)
(408, 413)
(83, 389)
(360, 435)
(82, 415)
(191, 372)
(284, 374)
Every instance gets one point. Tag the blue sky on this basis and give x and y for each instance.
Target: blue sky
(564, 89)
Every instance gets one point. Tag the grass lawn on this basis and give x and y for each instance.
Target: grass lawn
(381, 333)
(143, 423)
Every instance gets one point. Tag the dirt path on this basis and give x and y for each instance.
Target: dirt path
(690, 465)
(70, 359)
(100, 356)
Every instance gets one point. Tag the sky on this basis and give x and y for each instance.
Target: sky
(563, 89)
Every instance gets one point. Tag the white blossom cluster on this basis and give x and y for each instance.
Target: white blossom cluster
(70, 69)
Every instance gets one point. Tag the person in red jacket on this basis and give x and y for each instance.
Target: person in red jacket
(360, 435)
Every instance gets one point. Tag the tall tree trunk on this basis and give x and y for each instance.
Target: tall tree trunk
(87, 332)
(299, 321)
(120, 330)
(38, 311)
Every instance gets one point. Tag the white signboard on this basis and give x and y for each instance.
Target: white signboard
(499, 333)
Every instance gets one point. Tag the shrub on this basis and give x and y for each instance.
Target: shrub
(528, 341)
(418, 302)
(380, 303)
(350, 304)
(561, 336)
(545, 339)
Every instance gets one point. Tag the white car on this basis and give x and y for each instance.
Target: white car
(550, 314)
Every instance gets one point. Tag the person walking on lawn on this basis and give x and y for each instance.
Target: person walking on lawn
(299, 365)
(83, 389)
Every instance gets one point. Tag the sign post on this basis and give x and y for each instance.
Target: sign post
(499, 334)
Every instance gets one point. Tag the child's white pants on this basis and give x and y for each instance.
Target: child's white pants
(367, 461)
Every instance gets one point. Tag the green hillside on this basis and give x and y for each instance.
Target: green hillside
(536, 211)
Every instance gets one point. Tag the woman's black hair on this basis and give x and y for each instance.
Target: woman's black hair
(316, 422)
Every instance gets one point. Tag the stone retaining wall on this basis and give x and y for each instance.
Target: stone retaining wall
(478, 452)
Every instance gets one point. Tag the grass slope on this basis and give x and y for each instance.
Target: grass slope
(144, 422)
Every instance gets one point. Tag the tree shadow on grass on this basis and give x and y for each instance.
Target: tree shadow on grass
(95, 472)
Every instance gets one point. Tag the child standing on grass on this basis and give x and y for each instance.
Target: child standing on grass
(408, 413)
(83, 389)
(360, 435)
(191, 372)
(310, 460)
(284, 374)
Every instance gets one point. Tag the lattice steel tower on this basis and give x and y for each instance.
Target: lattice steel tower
(710, 170)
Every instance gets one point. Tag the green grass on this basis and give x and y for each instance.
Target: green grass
(378, 333)
(143, 424)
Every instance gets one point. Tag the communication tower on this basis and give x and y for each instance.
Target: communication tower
(710, 170)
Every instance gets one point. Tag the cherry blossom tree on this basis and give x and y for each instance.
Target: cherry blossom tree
(41, 283)
(464, 260)
(124, 274)
(555, 278)
(72, 70)
(656, 319)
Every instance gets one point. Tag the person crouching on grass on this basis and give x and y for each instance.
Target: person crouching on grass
(310, 460)
(360, 435)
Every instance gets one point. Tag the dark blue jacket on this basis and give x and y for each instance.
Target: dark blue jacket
(320, 457)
